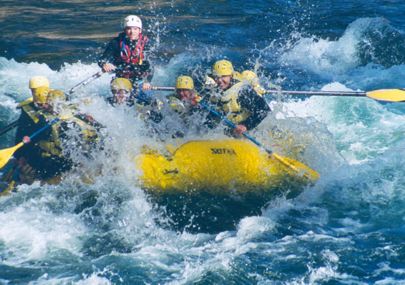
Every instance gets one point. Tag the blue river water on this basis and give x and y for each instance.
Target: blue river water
(349, 228)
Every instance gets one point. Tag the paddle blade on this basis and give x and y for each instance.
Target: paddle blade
(6, 154)
(300, 168)
(387, 95)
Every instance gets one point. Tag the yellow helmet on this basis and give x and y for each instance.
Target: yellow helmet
(55, 95)
(40, 94)
(38, 81)
(222, 68)
(184, 82)
(121, 84)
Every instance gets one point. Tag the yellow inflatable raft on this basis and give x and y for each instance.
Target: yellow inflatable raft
(220, 166)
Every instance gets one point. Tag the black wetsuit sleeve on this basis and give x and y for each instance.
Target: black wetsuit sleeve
(110, 54)
(24, 124)
(256, 105)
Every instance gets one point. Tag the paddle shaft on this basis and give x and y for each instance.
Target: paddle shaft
(307, 93)
(161, 88)
(232, 125)
(84, 82)
(88, 80)
(320, 93)
(36, 133)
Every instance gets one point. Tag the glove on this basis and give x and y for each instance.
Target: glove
(210, 82)
(177, 106)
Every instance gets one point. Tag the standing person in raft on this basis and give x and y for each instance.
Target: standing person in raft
(127, 54)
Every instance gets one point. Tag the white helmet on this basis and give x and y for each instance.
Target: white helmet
(133, 21)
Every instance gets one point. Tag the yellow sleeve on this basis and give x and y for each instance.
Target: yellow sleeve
(25, 102)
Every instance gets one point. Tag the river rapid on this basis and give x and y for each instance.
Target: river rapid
(346, 229)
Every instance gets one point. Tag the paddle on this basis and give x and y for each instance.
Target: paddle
(88, 80)
(161, 88)
(384, 95)
(7, 153)
(84, 82)
(9, 127)
(294, 165)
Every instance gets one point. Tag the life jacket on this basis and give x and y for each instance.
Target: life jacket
(28, 105)
(51, 146)
(253, 80)
(229, 103)
(132, 56)
(29, 108)
(239, 76)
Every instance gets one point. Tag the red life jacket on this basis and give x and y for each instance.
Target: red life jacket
(134, 56)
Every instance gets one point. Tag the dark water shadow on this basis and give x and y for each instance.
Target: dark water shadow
(205, 212)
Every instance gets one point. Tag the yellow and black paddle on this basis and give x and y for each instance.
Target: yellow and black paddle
(298, 167)
(7, 153)
(383, 95)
